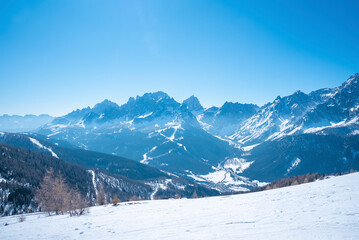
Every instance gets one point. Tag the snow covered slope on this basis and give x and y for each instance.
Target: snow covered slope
(327, 209)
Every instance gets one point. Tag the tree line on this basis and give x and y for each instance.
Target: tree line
(301, 179)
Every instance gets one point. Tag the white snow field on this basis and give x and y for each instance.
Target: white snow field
(327, 209)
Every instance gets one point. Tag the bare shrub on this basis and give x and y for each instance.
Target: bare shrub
(78, 206)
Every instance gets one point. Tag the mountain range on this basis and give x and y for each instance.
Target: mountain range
(235, 147)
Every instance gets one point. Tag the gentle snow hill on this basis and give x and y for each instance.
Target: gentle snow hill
(327, 209)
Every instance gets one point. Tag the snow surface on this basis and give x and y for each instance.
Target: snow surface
(295, 164)
(249, 148)
(343, 123)
(216, 177)
(94, 180)
(37, 143)
(158, 185)
(327, 209)
(146, 115)
(238, 165)
(225, 177)
(145, 157)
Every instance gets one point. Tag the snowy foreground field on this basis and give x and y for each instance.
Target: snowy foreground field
(327, 209)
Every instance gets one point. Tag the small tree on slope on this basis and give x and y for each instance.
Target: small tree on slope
(115, 200)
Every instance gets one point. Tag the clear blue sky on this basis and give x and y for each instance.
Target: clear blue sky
(56, 56)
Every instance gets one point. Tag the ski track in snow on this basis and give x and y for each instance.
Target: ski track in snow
(94, 180)
(327, 209)
(37, 143)
(145, 157)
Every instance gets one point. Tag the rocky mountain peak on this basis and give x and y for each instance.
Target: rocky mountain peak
(104, 105)
(238, 109)
(155, 96)
(352, 82)
(193, 104)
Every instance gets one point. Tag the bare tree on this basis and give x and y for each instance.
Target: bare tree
(54, 196)
(47, 195)
(62, 195)
(78, 206)
(101, 196)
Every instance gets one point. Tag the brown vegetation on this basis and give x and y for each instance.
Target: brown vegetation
(101, 196)
(291, 181)
(134, 198)
(115, 200)
(54, 196)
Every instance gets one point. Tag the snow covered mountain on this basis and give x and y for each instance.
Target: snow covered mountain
(277, 117)
(325, 110)
(340, 110)
(325, 209)
(216, 146)
(153, 129)
(225, 120)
